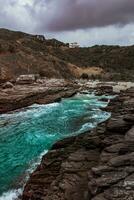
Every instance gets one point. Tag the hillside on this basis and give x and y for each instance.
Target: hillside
(116, 62)
(22, 53)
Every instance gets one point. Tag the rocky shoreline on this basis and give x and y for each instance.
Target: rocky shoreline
(21, 96)
(97, 165)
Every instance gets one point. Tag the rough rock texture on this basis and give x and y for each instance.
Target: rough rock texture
(97, 165)
(21, 96)
(7, 85)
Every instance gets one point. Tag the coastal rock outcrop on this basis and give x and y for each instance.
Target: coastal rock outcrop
(21, 96)
(97, 165)
(7, 85)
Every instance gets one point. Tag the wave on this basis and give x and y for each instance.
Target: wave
(15, 193)
(11, 195)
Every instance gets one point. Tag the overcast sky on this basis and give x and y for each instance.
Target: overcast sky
(88, 22)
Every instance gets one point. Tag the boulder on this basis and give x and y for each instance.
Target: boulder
(107, 179)
(8, 85)
(115, 148)
(129, 137)
(123, 160)
(113, 139)
(129, 118)
(99, 197)
(63, 143)
(118, 126)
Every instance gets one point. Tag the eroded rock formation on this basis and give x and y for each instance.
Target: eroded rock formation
(97, 165)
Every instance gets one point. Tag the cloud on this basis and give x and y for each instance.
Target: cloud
(64, 15)
(109, 35)
(87, 21)
(15, 14)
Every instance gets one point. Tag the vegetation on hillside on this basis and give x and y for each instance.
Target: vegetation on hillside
(22, 53)
(117, 62)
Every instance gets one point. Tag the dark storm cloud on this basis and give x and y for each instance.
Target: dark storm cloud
(65, 15)
(62, 15)
(94, 21)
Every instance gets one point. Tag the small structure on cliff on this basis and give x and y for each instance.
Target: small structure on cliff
(27, 78)
(74, 45)
(40, 37)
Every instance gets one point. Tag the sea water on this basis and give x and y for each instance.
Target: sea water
(28, 133)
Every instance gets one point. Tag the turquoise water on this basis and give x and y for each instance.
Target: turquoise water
(25, 134)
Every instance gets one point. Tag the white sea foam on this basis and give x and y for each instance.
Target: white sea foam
(86, 127)
(30, 110)
(11, 195)
(35, 164)
(36, 111)
(14, 194)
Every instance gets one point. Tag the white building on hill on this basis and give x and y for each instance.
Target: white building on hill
(74, 45)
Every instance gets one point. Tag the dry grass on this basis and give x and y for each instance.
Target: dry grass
(90, 71)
